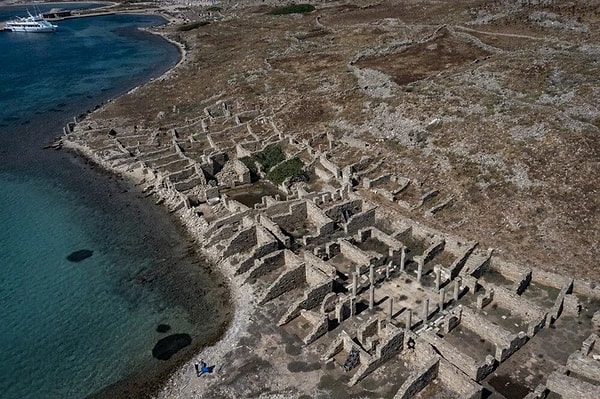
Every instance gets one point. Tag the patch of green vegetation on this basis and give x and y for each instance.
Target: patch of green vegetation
(192, 25)
(214, 8)
(267, 158)
(292, 9)
(292, 168)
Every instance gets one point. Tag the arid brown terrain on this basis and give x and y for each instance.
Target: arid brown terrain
(460, 133)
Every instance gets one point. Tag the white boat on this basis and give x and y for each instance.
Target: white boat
(31, 23)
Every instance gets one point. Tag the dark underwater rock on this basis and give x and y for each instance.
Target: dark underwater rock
(80, 255)
(170, 345)
(163, 328)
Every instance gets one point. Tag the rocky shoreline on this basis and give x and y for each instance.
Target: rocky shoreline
(357, 279)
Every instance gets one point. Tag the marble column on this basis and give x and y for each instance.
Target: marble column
(391, 308)
(457, 282)
(438, 274)
(442, 298)
(354, 283)
(425, 314)
(402, 259)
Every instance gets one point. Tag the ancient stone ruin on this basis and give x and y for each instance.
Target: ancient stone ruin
(375, 289)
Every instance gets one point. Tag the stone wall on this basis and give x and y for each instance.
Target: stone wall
(585, 366)
(506, 342)
(433, 250)
(457, 381)
(586, 288)
(473, 369)
(360, 221)
(390, 346)
(243, 241)
(320, 325)
(569, 387)
(336, 212)
(508, 270)
(294, 215)
(419, 379)
(312, 298)
(353, 253)
(287, 281)
(317, 271)
(367, 330)
(330, 166)
(371, 183)
(549, 279)
(556, 310)
(266, 265)
(516, 304)
(266, 242)
(274, 229)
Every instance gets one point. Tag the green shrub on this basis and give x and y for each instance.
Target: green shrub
(292, 9)
(267, 158)
(291, 168)
(270, 156)
(192, 25)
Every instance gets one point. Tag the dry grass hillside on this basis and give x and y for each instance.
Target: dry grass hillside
(495, 103)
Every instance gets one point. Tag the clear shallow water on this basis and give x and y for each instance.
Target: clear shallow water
(70, 329)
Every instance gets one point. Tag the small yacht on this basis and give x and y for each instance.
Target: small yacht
(31, 23)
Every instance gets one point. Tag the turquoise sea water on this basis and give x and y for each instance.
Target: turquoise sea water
(72, 329)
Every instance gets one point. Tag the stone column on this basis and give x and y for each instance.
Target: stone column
(371, 274)
(402, 259)
(352, 306)
(354, 283)
(419, 269)
(391, 309)
(358, 269)
(442, 298)
(425, 314)
(387, 270)
(438, 274)
(408, 320)
(457, 282)
(371, 297)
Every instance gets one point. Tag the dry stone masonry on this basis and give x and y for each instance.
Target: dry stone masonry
(371, 287)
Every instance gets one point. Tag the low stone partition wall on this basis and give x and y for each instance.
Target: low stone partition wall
(586, 288)
(532, 314)
(353, 253)
(433, 250)
(338, 212)
(321, 284)
(230, 220)
(473, 369)
(569, 387)
(419, 379)
(390, 345)
(273, 261)
(360, 221)
(287, 281)
(462, 255)
(458, 381)
(477, 264)
(585, 366)
(506, 342)
(241, 242)
(319, 322)
(274, 229)
(556, 310)
(293, 213)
